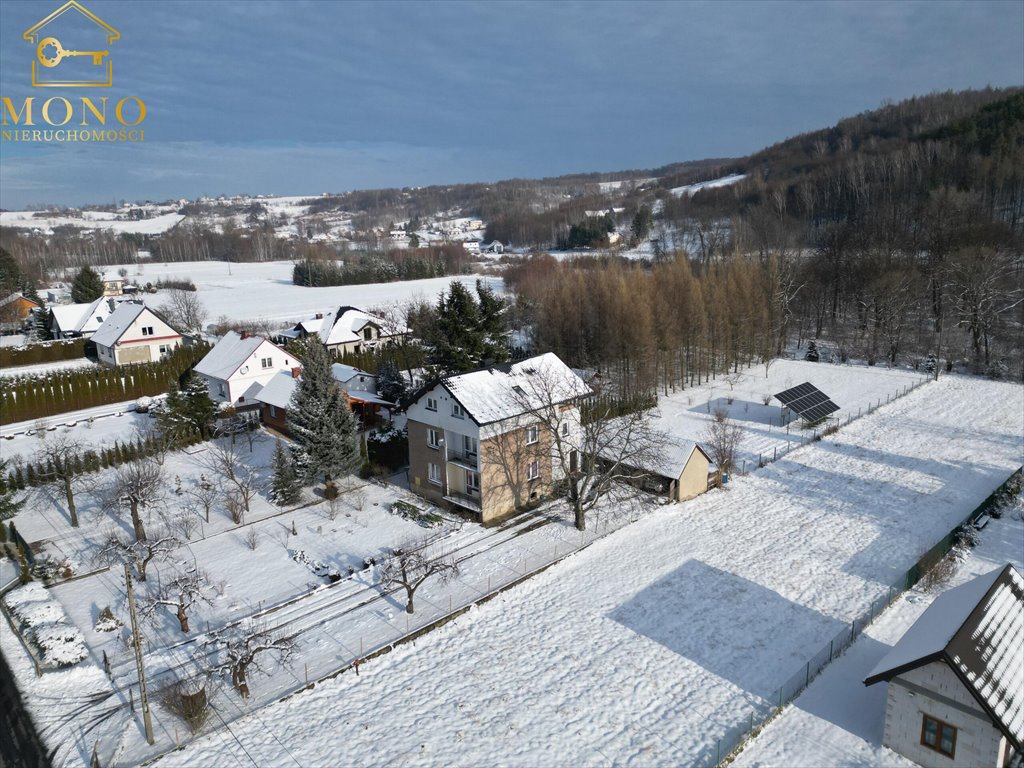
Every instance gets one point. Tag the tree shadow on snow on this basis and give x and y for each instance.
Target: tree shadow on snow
(734, 628)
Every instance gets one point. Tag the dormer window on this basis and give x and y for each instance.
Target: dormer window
(431, 403)
(368, 334)
(147, 330)
(457, 411)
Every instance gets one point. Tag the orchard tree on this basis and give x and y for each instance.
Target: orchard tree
(722, 439)
(61, 460)
(411, 565)
(136, 486)
(119, 548)
(326, 442)
(243, 647)
(87, 286)
(181, 593)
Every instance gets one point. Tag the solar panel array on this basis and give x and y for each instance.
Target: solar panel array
(810, 402)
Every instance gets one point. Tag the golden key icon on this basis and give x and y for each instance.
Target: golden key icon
(60, 53)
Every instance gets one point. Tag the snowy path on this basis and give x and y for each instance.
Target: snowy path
(646, 647)
(838, 721)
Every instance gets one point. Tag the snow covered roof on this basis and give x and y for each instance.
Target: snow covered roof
(345, 373)
(978, 630)
(82, 318)
(228, 354)
(14, 297)
(346, 324)
(510, 389)
(278, 391)
(119, 321)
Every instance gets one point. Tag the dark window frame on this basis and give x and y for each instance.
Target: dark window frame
(940, 725)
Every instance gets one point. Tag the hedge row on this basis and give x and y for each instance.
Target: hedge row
(33, 473)
(36, 396)
(46, 352)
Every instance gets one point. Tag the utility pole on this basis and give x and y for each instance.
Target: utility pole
(137, 642)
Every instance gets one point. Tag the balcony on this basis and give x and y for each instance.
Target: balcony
(464, 459)
(472, 503)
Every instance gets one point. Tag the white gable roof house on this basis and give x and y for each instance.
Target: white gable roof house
(133, 333)
(238, 367)
(348, 329)
(75, 320)
(956, 678)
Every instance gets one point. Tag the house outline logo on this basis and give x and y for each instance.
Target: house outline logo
(49, 51)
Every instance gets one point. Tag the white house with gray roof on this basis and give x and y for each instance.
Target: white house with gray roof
(134, 333)
(956, 678)
(348, 329)
(238, 367)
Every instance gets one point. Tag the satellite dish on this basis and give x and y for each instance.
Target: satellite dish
(243, 370)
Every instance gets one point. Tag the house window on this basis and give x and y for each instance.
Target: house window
(472, 483)
(938, 735)
(533, 470)
(565, 429)
(532, 435)
(165, 349)
(221, 390)
(431, 403)
(273, 412)
(147, 330)
(469, 445)
(368, 334)
(457, 411)
(266, 362)
(433, 438)
(434, 473)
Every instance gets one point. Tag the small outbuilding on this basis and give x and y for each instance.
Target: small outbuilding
(956, 678)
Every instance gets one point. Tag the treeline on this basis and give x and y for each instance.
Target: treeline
(412, 264)
(29, 397)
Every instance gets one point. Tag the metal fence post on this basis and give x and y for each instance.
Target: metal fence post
(830, 642)
(807, 680)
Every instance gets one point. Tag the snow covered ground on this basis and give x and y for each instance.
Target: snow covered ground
(91, 220)
(838, 721)
(691, 189)
(645, 648)
(59, 365)
(264, 290)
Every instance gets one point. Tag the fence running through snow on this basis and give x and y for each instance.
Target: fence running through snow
(745, 727)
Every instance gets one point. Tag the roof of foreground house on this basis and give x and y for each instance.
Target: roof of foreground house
(120, 320)
(978, 630)
(228, 355)
(502, 391)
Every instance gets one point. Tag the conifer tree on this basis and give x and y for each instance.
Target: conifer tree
(285, 488)
(492, 324)
(321, 422)
(459, 343)
(87, 286)
(390, 382)
(10, 503)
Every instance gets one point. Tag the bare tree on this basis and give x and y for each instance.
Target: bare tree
(118, 548)
(136, 485)
(595, 449)
(722, 438)
(205, 494)
(411, 565)
(61, 459)
(185, 590)
(242, 647)
(242, 480)
(185, 311)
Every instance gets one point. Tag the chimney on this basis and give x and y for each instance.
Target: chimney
(244, 334)
(319, 315)
(296, 372)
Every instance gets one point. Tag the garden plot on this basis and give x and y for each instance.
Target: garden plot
(264, 290)
(856, 389)
(674, 629)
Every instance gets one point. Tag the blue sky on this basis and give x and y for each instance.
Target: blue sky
(305, 97)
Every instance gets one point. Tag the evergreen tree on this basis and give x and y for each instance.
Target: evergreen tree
(641, 225)
(87, 286)
(11, 278)
(321, 422)
(459, 343)
(9, 501)
(285, 488)
(492, 324)
(812, 352)
(390, 382)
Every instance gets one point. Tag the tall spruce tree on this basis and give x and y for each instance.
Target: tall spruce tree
(492, 324)
(390, 381)
(320, 421)
(459, 343)
(188, 410)
(87, 286)
(10, 501)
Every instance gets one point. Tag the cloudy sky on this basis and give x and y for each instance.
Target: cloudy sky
(302, 97)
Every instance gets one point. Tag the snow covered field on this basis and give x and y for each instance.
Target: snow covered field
(91, 220)
(646, 647)
(838, 721)
(264, 290)
(691, 189)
